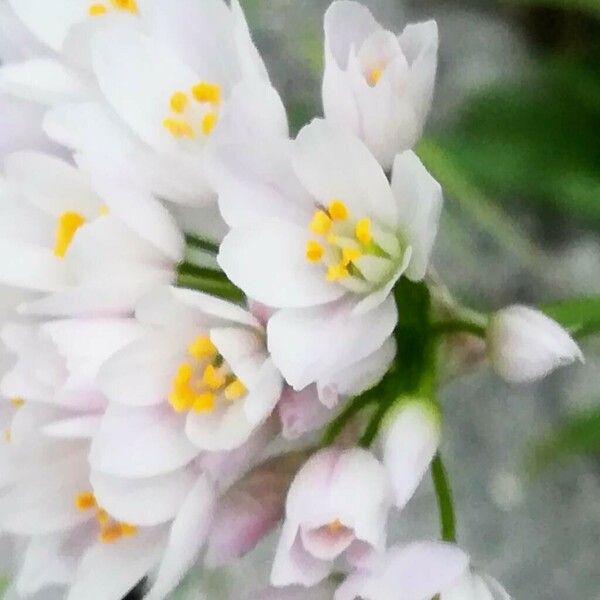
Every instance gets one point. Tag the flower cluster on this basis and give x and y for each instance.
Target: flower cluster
(182, 286)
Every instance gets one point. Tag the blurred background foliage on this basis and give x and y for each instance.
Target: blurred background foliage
(514, 139)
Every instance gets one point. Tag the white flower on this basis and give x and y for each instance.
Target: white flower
(473, 586)
(202, 364)
(523, 344)
(94, 256)
(377, 84)
(338, 503)
(321, 234)
(417, 571)
(410, 440)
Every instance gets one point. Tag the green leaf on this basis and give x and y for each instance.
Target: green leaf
(580, 435)
(581, 316)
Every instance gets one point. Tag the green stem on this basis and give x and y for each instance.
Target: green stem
(198, 242)
(211, 285)
(336, 426)
(458, 326)
(444, 499)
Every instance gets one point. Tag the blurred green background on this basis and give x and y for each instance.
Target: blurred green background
(514, 138)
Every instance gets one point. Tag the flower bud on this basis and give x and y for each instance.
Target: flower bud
(525, 345)
(410, 442)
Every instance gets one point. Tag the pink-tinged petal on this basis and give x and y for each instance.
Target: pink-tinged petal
(301, 412)
(186, 538)
(411, 440)
(325, 544)
(268, 262)
(332, 163)
(144, 502)
(112, 570)
(417, 571)
(419, 198)
(140, 442)
(250, 510)
(307, 345)
(81, 427)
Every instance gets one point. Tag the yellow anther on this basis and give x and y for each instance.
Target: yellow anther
(95, 10)
(181, 400)
(213, 378)
(7, 435)
(235, 390)
(203, 402)
(338, 210)
(178, 128)
(337, 272)
(68, 224)
(332, 238)
(184, 374)
(178, 101)
(85, 501)
(363, 231)
(314, 251)
(374, 76)
(128, 529)
(335, 526)
(205, 91)
(102, 517)
(350, 255)
(129, 5)
(103, 211)
(17, 402)
(209, 120)
(111, 533)
(202, 347)
(321, 223)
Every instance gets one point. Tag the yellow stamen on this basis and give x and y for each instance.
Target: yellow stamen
(209, 120)
(321, 223)
(350, 255)
(314, 251)
(178, 102)
(128, 529)
(374, 76)
(203, 402)
(85, 501)
(363, 231)
(204, 91)
(178, 128)
(338, 210)
(130, 5)
(235, 390)
(335, 526)
(102, 517)
(7, 435)
(111, 533)
(17, 402)
(103, 210)
(202, 347)
(337, 272)
(213, 378)
(95, 10)
(68, 224)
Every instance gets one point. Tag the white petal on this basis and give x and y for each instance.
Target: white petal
(411, 440)
(140, 442)
(307, 345)
(82, 427)
(186, 538)
(302, 412)
(142, 501)
(268, 262)
(111, 570)
(43, 80)
(332, 163)
(419, 198)
(243, 350)
(524, 344)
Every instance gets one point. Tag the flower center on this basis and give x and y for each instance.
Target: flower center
(374, 75)
(202, 378)
(356, 253)
(194, 114)
(110, 529)
(335, 526)
(101, 8)
(68, 224)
